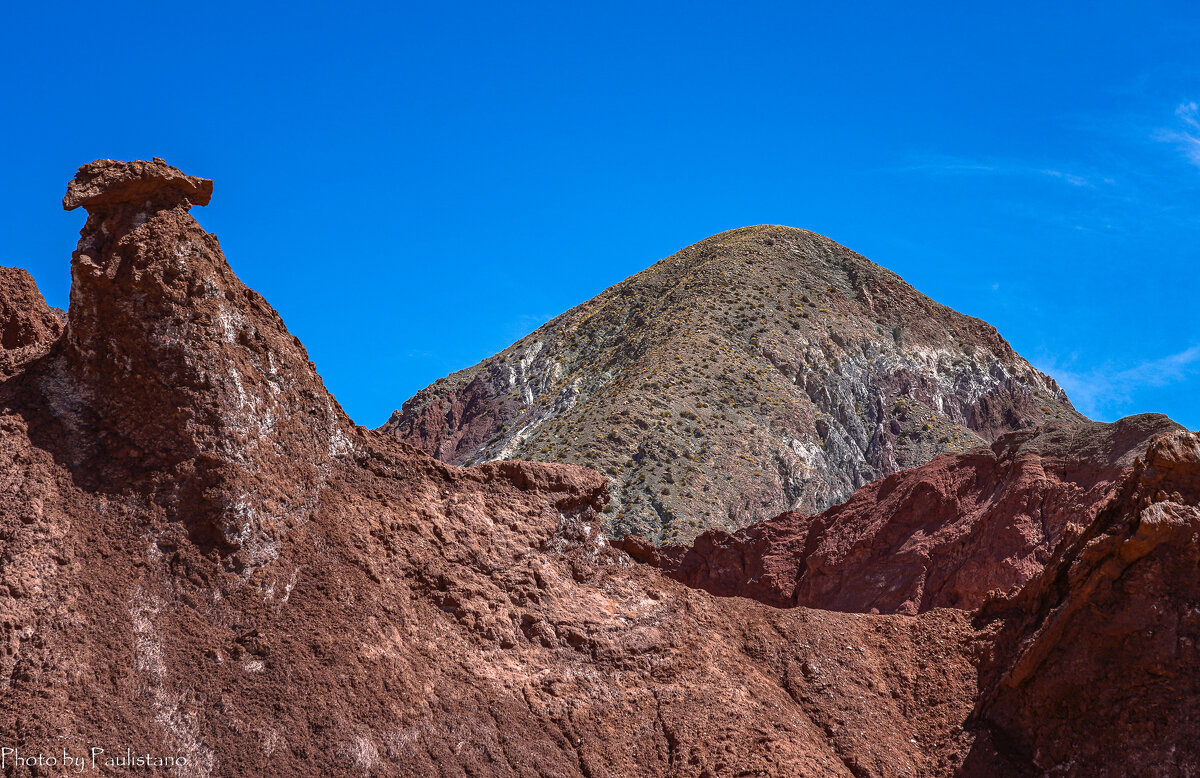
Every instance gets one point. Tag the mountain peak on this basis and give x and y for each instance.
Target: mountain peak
(760, 370)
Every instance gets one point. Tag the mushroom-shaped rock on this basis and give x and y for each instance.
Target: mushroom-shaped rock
(109, 182)
(194, 387)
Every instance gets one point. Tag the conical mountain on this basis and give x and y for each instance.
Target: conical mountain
(760, 370)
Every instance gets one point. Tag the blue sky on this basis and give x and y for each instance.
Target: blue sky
(415, 186)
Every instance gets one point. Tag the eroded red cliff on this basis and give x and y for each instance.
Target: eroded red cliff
(27, 325)
(1097, 665)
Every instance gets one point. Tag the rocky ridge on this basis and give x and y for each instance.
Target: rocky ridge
(1088, 660)
(762, 370)
(1094, 669)
(394, 615)
(941, 535)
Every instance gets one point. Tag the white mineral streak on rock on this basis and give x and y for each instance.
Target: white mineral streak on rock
(179, 724)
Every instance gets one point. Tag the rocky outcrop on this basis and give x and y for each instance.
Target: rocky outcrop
(759, 371)
(1089, 664)
(1094, 671)
(176, 379)
(28, 326)
(106, 185)
(941, 535)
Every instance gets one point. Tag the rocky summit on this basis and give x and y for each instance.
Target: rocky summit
(762, 370)
(207, 570)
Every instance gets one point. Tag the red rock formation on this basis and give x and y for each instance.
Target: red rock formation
(1095, 668)
(201, 559)
(940, 535)
(185, 382)
(27, 325)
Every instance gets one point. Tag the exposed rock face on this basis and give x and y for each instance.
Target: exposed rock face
(1092, 667)
(1095, 670)
(27, 325)
(182, 380)
(940, 535)
(761, 370)
(106, 184)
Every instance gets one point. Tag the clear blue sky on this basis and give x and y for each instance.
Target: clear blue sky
(414, 186)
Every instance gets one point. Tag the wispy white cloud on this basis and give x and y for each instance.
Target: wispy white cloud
(1186, 135)
(1071, 178)
(1189, 112)
(938, 164)
(1107, 392)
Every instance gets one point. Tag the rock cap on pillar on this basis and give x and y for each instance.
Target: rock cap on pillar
(109, 182)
